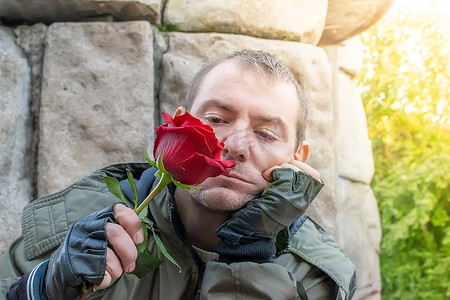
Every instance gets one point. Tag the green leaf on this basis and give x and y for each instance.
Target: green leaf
(149, 160)
(146, 220)
(114, 187)
(160, 164)
(161, 247)
(146, 263)
(184, 186)
(158, 173)
(133, 187)
(143, 246)
(143, 214)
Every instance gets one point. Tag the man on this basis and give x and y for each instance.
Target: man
(240, 236)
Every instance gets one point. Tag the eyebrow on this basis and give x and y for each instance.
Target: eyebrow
(277, 121)
(217, 103)
(272, 120)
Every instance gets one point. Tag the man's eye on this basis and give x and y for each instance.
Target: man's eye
(215, 120)
(212, 119)
(266, 135)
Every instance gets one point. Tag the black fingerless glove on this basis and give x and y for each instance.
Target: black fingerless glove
(249, 234)
(80, 258)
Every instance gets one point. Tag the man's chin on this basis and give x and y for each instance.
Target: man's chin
(221, 199)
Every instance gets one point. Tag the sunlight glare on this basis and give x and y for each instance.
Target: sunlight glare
(418, 6)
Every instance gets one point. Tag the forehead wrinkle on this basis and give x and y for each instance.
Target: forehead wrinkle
(216, 103)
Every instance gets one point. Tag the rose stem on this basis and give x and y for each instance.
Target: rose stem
(165, 180)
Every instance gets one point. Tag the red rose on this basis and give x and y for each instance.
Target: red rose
(189, 149)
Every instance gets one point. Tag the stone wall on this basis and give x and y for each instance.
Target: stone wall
(83, 83)
(354, 169)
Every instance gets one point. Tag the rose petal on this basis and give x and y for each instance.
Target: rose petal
(188, 120)
(228, 163)
(189, 149)
(168, 119)
(202, 167)
(181, 142)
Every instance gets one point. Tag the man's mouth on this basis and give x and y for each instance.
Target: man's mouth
(236, 177)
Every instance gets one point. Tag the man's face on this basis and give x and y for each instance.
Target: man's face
(256, 120)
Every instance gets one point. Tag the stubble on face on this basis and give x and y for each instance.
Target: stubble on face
(220, 195)
(242, 102)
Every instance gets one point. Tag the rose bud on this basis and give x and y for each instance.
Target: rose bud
(189, 149)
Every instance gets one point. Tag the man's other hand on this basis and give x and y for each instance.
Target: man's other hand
(97, 249)
(123, 236)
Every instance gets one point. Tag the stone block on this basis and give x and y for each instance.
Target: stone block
(97, 103)
(347, 18)
(301, 21)
(189, 51)
(355, 158)
(350, 56)
(49, 11)
(177, 73)
(15, 136)
(360, 231)
(347, 57)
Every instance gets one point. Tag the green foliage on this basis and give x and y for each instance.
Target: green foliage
(405, 89)
(114, 187)
(165, 28)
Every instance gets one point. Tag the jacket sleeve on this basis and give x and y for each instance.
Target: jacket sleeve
(45, 222)
(14, 264)
(8, 276)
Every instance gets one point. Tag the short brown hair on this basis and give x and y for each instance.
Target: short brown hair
(265, 65)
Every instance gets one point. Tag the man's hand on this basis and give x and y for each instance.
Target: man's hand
(295, 165)
(249, 233)
(123, 237)
(97, 248)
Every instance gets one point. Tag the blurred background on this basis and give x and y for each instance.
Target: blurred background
(405, 87)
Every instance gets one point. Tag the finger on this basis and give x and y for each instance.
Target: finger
(301, 166)
(266, 173)
(113, 269)
(128, 219)
(113, 265)
(296, 166)
(123, 246)
(105, 283)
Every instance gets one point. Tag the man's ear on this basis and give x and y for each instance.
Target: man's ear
(302, 153)
(180, 111)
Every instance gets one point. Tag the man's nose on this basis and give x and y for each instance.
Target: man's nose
(237, 145)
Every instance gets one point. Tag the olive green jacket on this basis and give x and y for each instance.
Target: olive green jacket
(311, 265)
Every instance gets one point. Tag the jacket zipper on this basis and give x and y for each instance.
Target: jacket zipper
(199, 267)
